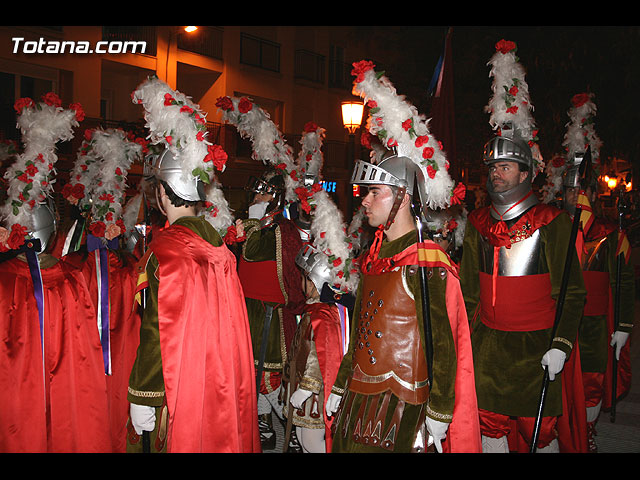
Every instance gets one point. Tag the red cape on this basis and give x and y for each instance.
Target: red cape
(207, 358)
(325, 322)
(65, 409)
(124, 330)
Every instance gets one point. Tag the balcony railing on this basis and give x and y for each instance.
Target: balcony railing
(205, 41)
(130, 33)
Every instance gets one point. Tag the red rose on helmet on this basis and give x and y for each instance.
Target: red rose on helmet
(245, 105)
(97, 229)
(78, 191)
(580, 99)
(16, 237)
(505, 46)
(224, 103)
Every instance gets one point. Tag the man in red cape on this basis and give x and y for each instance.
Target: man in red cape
(52, 383)
(599, 244)
(193, 381)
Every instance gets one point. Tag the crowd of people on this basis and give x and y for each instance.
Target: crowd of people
(162, 323)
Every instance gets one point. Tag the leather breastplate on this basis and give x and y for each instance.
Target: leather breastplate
(388, 354)
(518, 260)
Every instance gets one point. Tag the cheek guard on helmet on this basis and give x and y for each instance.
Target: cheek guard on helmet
(44, 225)
(315, 265)
(167, 167)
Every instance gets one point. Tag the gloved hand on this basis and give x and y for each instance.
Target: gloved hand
(257, 210)
(554, 360)
(618, 340)
(333, 402)
(299, 396)
(143, 417)
(437, 432)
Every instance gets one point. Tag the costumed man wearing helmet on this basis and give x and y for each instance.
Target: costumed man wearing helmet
(190, 386)
(406, 380)
(52, 383)
(512, 266)
(328, 280)
(101, 168)
(599, 244)
(271, 281)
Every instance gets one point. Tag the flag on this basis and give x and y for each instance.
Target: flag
(442, 107)
(586, 215)
(624, 247)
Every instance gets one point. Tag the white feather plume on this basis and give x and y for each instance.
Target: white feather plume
(399, 124)
(269, 145)
(42, 126)
(581, 131)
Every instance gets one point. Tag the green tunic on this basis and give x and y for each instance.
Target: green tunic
(441, 397)
(593, 334)
(508, 371)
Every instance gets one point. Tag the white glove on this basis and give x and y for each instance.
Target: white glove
(257, 210)
(554, 359)
(299, 396)
(333, 402)
(618, 340)
(143, 417)
(437, 432)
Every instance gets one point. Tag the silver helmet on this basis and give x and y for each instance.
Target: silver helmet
(394, 171)
(510, 147)
(315, 265)
(571, 177)
(44, 225)
(168, 168)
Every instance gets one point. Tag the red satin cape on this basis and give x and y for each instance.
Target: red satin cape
(207, 359)
(124, 330)
(327, 333)
(61, 406)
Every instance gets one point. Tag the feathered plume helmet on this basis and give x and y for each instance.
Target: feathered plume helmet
(116, 154)
(581, 131)
(269, 145)
(31, 176)
(510, 106)
(328, 231)
(178, 124)
(580, 134)
(399, 126)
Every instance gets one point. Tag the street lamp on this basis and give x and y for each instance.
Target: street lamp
(352, 115)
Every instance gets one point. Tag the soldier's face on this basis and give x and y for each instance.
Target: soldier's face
(377, 204)
(505, 175)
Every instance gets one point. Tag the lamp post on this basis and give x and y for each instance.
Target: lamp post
(352, 111)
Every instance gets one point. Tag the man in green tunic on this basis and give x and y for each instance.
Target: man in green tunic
(382, 388)
(273, 292)
(512, 264)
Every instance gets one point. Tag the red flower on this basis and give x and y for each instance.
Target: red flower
(360, 68)
(118, 171)
(310, 127)
(31, 170)
(78, 191)
(421, 140)
(107, 196)
(281, 166)
(513, 109)
(168, 99)
(79, 111)
(24, 178)
(513, 90)
(169, 139)
(108, 217)
(120, 224)
(392, 143)
(505, 46)
(580, 99)
(372, 104)
(52, 99)
(459, 193)
(407, 124)
(431, 171)
(557, 161)
(200, 136)
(217, 155)
(186, 108)
(66, 191)
(365, 139)
(244, 105)
(224, 103)
(337, 262)
(22, 103)
(16, 237)
(427, 152)
(97, 229)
